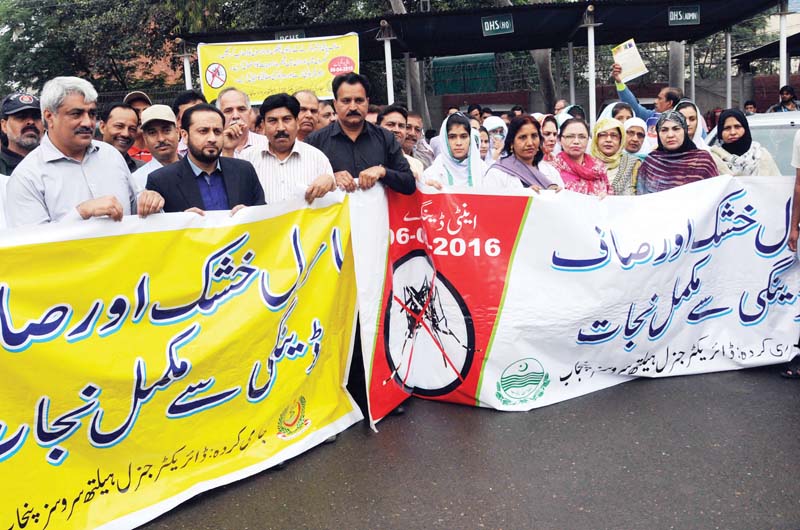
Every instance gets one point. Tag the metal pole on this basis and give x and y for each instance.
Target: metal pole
(387, 52)
(571, 57)
(728, 71)
(187, 72)
(691, 73)
(408, 81)
(592, 91)
(783, 53)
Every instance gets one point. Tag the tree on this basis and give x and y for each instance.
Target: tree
(106, 42)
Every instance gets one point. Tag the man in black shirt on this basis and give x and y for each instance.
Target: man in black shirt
(358, 149)
(22, 125)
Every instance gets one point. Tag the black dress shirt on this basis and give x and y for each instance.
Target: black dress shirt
(373, 147)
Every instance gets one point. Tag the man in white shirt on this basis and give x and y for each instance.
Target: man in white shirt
(286, 167)
(70, 177)
(235, 106)
(160, 132)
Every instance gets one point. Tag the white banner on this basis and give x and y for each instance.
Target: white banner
(595, 292)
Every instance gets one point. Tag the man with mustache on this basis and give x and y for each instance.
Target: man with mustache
(21, 122)
(70, 177)
(235, 106)
(119, 126)
(289, 168)
(415, 144)
(139, 101)
(357, 149)
(394, 118)
(326, 114)
(160, 132)
(204, 180)
(308, 119)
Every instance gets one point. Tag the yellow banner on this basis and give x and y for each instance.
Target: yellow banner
(144, 362)
(264, 68)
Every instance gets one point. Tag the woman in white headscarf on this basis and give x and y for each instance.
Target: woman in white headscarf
(497, 136)
(695, 121)
(459, 162)
(636, 142)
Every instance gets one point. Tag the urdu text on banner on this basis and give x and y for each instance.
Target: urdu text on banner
(263, 68)
(516, 302)
(150, 360)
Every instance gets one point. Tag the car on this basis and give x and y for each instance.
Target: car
(775, 132)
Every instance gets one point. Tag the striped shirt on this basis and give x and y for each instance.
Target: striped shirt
(288, 178)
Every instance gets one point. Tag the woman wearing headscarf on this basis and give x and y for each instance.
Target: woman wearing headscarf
(497, 136)
(580, 171)
(607, 146)
(636, 141)
(484, 145)
(694, 121)
(742, 156)
(459, 162)
(569, 112)
(676, 161)
(549, 133)
(521, 164)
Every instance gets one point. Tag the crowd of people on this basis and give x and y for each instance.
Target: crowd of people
(64, 160)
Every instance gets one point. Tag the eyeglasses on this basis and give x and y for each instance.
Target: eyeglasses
(612, 135)
(639, 135)
(573, 137)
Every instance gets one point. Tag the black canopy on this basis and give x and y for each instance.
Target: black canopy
(537, 26)
(770, 51)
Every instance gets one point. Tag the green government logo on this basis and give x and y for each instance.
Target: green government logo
(522, 381)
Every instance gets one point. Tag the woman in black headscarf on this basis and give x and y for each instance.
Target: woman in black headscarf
(677, 161)
(742, 156)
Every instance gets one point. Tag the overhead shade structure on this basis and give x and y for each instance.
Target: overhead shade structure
(537, 26)
(770, 51)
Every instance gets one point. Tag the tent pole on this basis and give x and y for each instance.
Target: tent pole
(728, 70)
(571, 57)
(784, 77)
(187, 72)
(691, 73)
(592, 74)
(387, 52)
(408, 81)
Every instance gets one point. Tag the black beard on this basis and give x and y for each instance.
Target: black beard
(200, 156)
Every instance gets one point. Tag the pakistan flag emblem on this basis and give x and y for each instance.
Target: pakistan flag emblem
(522, 381)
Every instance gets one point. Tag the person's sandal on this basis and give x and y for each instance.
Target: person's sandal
(792, 369)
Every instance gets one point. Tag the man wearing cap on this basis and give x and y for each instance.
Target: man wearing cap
(21, 122)
(139, 101)
(70, 176)
(288, 168)
(788, 102)
(119, 125)
(160, 132)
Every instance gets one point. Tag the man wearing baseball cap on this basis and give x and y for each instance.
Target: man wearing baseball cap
(21, 122)
(139, 101)
(159, 128)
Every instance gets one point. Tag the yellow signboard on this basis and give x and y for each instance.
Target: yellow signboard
(263, 68)
(142, 368)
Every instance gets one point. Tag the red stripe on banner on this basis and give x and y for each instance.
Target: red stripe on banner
(448, 259)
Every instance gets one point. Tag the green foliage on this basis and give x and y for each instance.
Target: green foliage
(95, 39)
